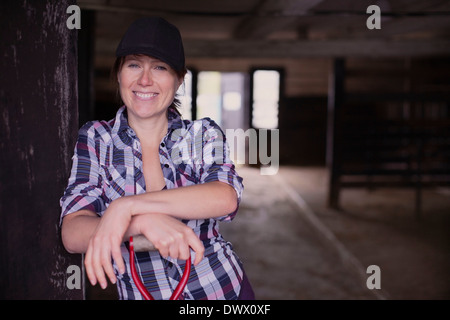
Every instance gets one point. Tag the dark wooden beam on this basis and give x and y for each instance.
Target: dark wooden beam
(302, 48)
(325, 48)
(86, 46)
(270, 16)
(38, 104)
(336, 94)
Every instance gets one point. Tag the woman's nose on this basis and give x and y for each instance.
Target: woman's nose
(145, 78)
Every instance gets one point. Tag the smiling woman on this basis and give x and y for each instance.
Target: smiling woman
(147, 87)
(136, 61)
(124, 182)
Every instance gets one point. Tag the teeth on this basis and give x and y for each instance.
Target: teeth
(145, 95)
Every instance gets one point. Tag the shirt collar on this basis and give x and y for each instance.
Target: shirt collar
(121, 121)
(175, 121)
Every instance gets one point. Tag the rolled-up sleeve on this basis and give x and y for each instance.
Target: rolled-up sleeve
(84, 190)
(216, 162)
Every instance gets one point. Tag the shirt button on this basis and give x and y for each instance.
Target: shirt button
(166, 165)
(163, 144)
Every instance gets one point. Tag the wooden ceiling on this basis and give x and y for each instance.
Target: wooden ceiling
(284, 28)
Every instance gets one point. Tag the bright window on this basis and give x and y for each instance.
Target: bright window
(266, 96)
(209, 102)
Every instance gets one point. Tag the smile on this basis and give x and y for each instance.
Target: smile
(143, 95)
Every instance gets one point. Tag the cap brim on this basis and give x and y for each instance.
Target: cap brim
(152, 52)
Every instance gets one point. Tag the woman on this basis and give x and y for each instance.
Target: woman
(148, 172)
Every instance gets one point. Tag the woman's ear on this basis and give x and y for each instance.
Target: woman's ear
(118, 77)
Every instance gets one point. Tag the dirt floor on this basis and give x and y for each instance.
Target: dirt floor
(294, 247)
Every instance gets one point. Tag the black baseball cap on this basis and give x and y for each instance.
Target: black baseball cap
(155, 37)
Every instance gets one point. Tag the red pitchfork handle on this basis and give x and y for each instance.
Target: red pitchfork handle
(143, 290)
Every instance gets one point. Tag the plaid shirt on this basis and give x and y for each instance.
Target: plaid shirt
(107, 164)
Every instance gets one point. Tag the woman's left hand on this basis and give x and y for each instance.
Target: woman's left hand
(105, 243)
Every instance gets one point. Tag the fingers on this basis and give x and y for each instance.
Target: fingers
(179, 247)
(184, 241)
(104, 246)
(174, 239)
(117, 256)
(98, 262)
(170, 236)
(199, 249)
(192, 241)
(89, 267)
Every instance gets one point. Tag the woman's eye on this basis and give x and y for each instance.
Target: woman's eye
(160, 68)
(133, 65)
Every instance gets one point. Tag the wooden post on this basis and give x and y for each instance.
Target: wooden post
(335, 100)
(38, 115)
(86, 44)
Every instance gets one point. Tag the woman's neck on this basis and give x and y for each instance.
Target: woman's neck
(150, 131)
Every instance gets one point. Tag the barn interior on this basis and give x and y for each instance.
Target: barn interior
(364, 131)
(355, 96)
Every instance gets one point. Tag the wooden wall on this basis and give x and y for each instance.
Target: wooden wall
(392, 125)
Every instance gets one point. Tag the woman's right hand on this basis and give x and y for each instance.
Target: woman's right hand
(171, 237)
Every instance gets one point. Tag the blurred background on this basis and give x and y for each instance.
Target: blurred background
(363, 116)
